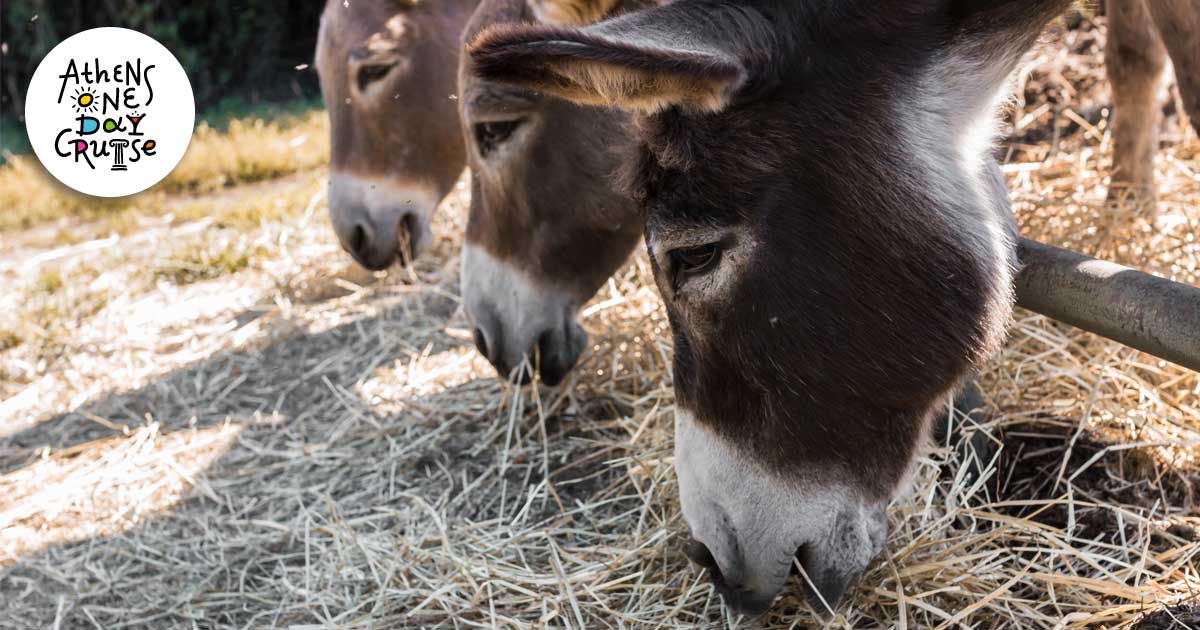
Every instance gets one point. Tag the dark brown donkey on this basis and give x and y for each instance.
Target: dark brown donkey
(547, 226)
(1141, 36)
(831, 237)
(387, 72)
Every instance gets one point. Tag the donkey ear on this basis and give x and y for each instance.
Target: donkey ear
(571, 12)
(645, 61)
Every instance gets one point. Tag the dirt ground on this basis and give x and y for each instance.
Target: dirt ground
(210, 418)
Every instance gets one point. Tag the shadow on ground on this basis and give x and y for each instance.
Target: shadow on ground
(310, 496)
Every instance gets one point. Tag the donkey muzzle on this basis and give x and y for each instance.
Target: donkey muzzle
(750, 526)
(521, 326)
(379, 223)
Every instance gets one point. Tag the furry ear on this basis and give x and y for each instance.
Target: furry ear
(571, 12)
(646, 61)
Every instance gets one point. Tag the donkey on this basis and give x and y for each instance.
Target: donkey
(387, 76)
(831, 237)
(1141, 36)
(528, 264)
(546, 226)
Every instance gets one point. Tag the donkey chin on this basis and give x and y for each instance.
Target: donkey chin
(380, 221)
(519, 321)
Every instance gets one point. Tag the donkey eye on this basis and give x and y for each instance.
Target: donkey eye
(490, 135)
(693, 261)
(372, 73)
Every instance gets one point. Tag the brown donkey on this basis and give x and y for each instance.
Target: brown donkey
(547, 226)
(830, 234)
(1141, 36)
(387, 72)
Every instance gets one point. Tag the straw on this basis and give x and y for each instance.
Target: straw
(302, 444)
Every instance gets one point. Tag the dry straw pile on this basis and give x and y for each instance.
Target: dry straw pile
(291, 442)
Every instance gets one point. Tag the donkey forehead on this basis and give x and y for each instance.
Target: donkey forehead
(393, 35)
(491, 12)
(482, 97)
(694, 179)
(829, 126)
(369, 25)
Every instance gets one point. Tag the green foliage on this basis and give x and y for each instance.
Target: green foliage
(220, 114)
(246, 50)
(13, 138)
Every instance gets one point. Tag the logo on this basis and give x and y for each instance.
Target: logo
(109, 112)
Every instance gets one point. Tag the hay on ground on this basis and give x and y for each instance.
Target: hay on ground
(296, 443)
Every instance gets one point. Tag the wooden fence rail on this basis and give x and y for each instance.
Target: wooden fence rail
(1142, 311)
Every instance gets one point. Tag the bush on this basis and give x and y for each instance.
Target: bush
(247, 49)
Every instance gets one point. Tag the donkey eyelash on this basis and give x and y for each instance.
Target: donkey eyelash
(490, 135)
(372, 73)
(689, 262)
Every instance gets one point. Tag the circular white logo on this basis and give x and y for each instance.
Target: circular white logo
(109, 112)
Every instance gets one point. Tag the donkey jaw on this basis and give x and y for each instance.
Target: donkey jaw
(751, 525)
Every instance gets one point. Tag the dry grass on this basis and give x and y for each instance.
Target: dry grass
(297, 443)
(248, 151)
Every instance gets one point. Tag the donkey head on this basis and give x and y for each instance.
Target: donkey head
(546, 226)
(830, 237)
(387, 75)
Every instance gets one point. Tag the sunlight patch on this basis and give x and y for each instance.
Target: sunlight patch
(425, 374)
(104, 487)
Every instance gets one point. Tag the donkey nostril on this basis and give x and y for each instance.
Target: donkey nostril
(548, 365)
(406, 238)
(358, 238)
(408, 223)
(698, 552)
(544, 346)
(481, 343)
